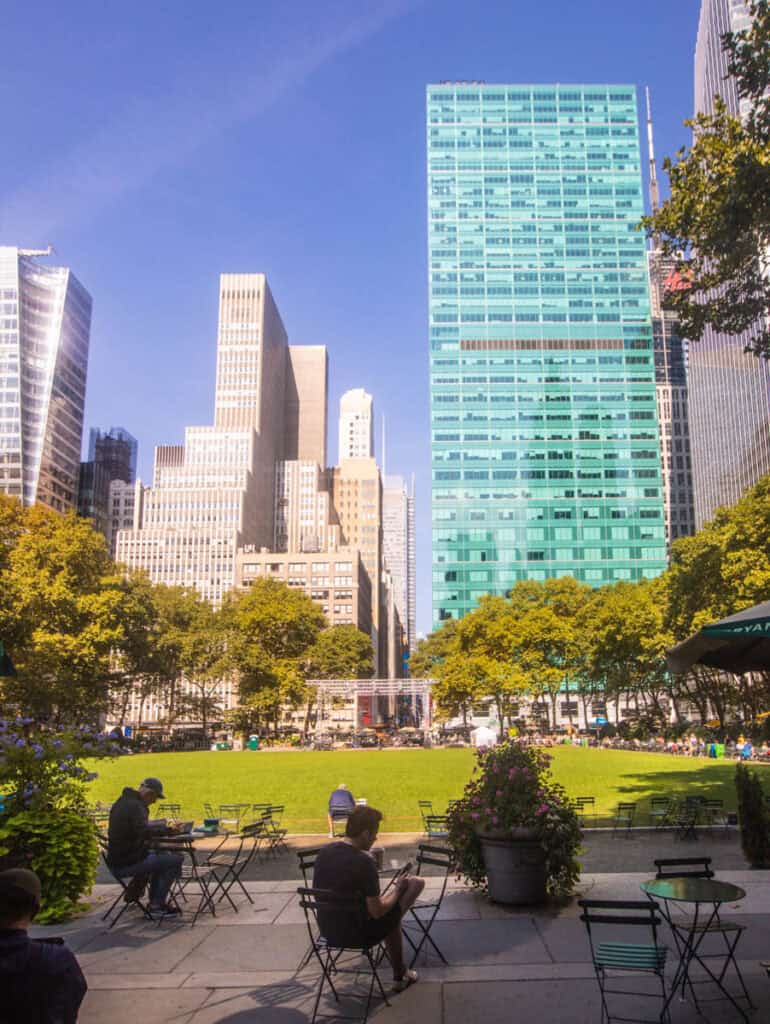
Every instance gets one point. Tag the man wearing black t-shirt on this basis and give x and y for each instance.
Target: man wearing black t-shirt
(347, 869)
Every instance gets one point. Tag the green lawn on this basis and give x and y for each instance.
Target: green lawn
(394, 780)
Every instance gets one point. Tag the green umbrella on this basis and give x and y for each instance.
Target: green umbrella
(739, 643)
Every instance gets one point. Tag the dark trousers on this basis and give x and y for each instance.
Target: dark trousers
(162, 867)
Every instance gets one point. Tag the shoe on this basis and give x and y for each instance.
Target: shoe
(408, 978)
(167, 910)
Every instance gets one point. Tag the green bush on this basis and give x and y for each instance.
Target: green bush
(754, 817)
(60, 847)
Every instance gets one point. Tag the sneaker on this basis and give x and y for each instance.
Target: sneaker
(407, 979)
(168, 910)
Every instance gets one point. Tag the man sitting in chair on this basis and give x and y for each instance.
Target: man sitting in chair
(341, 805)
(346, 868)
(128, 853)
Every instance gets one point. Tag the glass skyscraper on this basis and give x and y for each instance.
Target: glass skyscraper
(545, 451)
(45, 324)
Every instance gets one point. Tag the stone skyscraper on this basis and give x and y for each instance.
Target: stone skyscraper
(215, 493)
(45, 323)
(729, 389)
(545, 447)
(398, 549)
(356, 425)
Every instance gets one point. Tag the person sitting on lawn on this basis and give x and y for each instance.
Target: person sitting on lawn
(346, 868)
(41, 980)
(341, 804)
(128, 853)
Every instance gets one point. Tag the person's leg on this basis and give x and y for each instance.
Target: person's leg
(331, 825)
(394, 942)
(163, 868)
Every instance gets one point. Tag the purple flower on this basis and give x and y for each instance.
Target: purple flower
(475, 815)
(498, 792)
(20, 743)
(542, 809)
(495, 819)
(477, 800)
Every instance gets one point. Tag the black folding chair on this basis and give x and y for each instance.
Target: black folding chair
(687, 930)
(585, 806)
(436, 826)
(686, 817)
(132, 892)
(436, 856)
(306, 860)
(339, 820)
(227, 865)
(426, 810)
(317, 903)
(623, 819)
(627, 958)
(168, 811)
(274, 836)
(660, 811)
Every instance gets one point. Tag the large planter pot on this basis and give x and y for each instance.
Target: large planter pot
(515, 867)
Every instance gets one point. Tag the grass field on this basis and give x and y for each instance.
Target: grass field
(394, 780)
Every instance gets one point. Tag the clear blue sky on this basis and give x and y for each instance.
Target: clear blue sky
(158, 144)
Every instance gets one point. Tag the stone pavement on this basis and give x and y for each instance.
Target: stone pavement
(503, 964)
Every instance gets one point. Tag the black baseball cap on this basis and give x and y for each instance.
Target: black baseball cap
(155, 785)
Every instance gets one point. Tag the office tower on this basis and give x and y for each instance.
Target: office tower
(214, 494)
(398, 549)
(411, 619)
(670, 378)
(111, 457)
(356, 491)
(45, 323)
(116, 450)
(336, 579)
(729, 389)
(356, 426)
(546, 459)
(303, 514)
(307, 385)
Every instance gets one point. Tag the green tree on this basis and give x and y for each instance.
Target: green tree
(718, 212)
(433, 649)
(271, 630)
(63, 612)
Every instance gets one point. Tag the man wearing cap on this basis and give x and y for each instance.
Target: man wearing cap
(41, 982)
(128, 853)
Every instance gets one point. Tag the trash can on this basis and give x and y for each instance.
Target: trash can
(253, 742)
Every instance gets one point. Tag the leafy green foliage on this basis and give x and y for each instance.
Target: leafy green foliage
(511, 787)
(718, 212)
(60, 847)
(753, 816)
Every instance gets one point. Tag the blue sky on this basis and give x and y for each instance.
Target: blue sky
(157, 145)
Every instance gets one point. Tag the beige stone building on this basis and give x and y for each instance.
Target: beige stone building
(215, 493)
(336, 580)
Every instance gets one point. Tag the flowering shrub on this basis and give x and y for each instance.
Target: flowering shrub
(43, 803)
(511, 788)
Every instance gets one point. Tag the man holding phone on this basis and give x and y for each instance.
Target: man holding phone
(346, 868)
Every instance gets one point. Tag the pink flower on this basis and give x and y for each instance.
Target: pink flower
(512, 772)
(498, 792)
(495, 819)
(475, 815)
(542, 809)
(477, 800)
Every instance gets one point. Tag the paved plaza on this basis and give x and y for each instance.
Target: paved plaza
(503, 964)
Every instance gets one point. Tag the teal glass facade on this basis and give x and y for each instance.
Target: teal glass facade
(545, 451)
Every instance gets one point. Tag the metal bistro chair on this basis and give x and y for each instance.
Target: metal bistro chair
(623, 819)
(437, 826)
(660, 811)
(585, 806)
(426, 810)
(328, 953)
(624, 957)
(227, 866)
(716, 818)
(686, 817)
(168, 811)
(685, 929)
(436, 856)
(274, 836)
(132, 891)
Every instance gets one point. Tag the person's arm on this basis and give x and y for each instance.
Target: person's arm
(68, 988)
(378, 906)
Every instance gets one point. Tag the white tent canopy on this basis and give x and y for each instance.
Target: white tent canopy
(483, 737)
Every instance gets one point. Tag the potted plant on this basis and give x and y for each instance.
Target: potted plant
(514, 832)
(754, 817)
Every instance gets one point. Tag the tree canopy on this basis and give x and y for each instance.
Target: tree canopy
(716, 220)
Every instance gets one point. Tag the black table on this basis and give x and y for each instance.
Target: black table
(184, 843)
(706, 895)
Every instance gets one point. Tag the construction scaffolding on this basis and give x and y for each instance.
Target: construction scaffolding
(354, 704)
